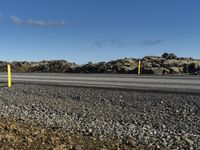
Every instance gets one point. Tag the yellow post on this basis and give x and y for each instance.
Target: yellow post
(9, 76)
(139, 68)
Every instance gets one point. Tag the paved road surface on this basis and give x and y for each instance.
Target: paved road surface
(119, 81)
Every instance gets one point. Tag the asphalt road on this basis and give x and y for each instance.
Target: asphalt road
(190, 84)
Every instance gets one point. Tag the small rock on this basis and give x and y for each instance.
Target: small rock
(78, 147)
(133, 142)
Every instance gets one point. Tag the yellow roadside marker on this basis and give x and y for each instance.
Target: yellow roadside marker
(139, 68)
(9, 76)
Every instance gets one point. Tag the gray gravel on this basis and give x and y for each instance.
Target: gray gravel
(156, 120)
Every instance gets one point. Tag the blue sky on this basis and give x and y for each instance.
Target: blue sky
(97, 30)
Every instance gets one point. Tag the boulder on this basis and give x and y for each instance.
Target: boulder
(155, 71)
(176, 70)
(194, 68)
(154, 65)
(169, 56)
(125, 69)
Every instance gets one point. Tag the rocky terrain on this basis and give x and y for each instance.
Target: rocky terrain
(166, 64)
(58, 66)
(58, 117)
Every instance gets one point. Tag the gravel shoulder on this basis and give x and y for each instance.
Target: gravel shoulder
(117, 119)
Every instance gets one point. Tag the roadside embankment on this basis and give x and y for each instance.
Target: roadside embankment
(113, 118)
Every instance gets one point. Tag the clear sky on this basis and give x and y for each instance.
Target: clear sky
(98, 30)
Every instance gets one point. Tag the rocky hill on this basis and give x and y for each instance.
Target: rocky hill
(54, 66)
(165, 64)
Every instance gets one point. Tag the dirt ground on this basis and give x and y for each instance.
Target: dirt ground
(20, 134)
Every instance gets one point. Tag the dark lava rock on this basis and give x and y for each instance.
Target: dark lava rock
(169, 56)
(167, 64)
